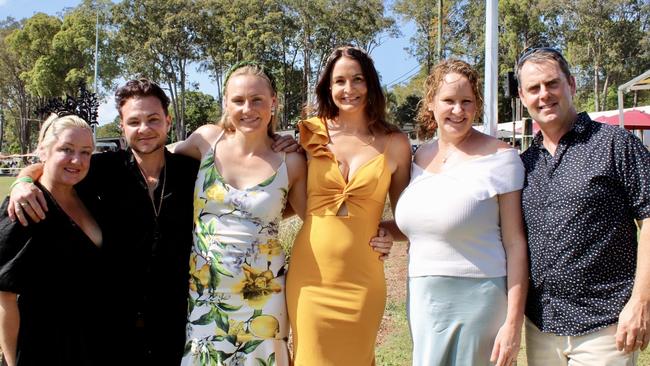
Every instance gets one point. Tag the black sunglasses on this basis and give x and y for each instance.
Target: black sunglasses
(533, 50)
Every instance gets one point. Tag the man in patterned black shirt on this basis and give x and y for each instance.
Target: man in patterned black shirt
(586, 184)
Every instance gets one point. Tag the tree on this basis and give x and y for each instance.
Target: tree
(158, 39)
(406, 112)
(604, 41)
(201, 109)
(425, 15)
(109, 130)
(25, 47)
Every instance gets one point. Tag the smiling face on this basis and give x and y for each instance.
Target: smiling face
(454, 106)
(348, 85)
(145, 124)
(67, 159)
(547, 93)
(249, 103)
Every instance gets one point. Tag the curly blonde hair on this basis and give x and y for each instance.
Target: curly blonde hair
(427, 124)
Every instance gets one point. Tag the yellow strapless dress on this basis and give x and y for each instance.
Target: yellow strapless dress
(336, 291)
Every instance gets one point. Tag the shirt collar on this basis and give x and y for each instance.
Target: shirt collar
(580, 126)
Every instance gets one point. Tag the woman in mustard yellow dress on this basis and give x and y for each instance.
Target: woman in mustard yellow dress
(336, 289)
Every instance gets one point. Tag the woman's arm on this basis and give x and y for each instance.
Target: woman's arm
(9, 324)
(297, 167)
(400, 156)
(198, 142)
(506, 344)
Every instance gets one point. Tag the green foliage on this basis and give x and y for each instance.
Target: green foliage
(109, 130)
(200, 109)
(405, 113)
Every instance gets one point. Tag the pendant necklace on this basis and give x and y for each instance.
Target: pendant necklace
(450, 152)
(369, 142)
(152, 197)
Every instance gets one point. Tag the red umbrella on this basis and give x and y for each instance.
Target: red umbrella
(634, 120)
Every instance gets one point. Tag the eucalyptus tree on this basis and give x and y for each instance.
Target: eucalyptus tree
(158, 39)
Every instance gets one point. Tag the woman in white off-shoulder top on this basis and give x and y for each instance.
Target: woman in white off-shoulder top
(462, 216)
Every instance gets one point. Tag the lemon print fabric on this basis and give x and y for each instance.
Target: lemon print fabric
(237, 312)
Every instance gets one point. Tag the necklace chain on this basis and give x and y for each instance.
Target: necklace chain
(369, 142)
(152, 197)
(450, 152)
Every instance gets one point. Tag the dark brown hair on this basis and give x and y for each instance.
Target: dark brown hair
(376, 101)
(425, 118)
(140, 88)
(541, 54)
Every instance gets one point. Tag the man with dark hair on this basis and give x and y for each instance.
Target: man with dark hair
(586, 184)
(146, 196)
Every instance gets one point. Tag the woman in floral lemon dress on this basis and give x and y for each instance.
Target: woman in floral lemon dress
(237, 309)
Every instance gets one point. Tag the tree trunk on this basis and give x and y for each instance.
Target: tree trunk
(603, 103)
(597, 109)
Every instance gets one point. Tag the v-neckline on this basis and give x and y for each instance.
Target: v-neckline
(263, 183)
(351, 177)
(73, 223)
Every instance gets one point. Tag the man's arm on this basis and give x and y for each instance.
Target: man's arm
(9, 324)
(26, 199)
(634, 321)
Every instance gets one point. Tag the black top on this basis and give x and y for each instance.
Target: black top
(149, 255)
(579, 209)
(57, 272)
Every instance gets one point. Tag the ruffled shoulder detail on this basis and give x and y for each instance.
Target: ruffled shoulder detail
(314, 137)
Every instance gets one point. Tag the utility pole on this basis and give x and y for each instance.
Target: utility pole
(96, 62)
(439, 30)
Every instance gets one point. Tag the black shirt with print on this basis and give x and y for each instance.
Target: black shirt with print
(579, 209)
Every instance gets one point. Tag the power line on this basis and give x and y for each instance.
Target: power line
(394, 81)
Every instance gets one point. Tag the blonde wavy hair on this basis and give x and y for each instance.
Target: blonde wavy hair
(248, 68)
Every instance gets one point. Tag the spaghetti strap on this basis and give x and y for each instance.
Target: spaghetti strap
(214, 146)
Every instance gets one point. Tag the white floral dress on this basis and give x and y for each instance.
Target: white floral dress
(237, 309)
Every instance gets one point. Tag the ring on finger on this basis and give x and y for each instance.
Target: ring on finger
(23, 204)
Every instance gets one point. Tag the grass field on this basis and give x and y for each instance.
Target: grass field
(5, 182)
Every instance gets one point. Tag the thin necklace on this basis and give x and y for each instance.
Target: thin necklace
(450, 152)
(370, 141)
(152, 197)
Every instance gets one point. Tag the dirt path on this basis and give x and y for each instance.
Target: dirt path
(396, 269)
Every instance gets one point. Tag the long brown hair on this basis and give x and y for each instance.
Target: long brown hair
(376, 101)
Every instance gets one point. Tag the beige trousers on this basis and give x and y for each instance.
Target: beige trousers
(593, 349)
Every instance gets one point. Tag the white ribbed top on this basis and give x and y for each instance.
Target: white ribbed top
(452, 218)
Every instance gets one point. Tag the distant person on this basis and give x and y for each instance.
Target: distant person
(336, 289)
(586, 184)
(461, 213)
(53, 293)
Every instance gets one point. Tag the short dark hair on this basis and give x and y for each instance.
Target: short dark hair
(376, 101)
(140, 88)
(541, 54)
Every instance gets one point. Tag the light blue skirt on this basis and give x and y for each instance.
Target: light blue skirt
(454, 320)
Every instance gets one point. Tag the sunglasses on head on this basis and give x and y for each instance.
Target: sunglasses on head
(525, 55)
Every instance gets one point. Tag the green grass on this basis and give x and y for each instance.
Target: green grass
(396, 349)
(5, 182)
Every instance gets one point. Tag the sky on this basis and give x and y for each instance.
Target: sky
(393, 63)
